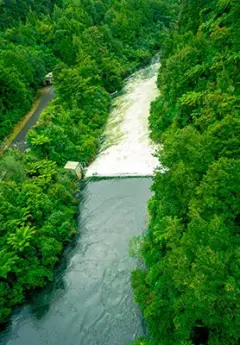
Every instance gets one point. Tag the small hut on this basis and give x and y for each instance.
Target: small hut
(75, 168)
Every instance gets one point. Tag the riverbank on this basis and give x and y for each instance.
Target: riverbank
(189, 288)
(90, 300)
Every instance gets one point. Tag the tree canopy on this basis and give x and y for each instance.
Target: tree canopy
(190, 290)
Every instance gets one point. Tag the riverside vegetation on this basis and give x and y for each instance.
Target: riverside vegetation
(190, 290)
(91, 46)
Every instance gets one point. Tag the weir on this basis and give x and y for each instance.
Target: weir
(127, 150)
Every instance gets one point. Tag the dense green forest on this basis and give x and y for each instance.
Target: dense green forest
(190, 290)
(98, 40)
(91, 46)
(25, 58)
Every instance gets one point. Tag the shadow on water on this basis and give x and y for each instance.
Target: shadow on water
(89, 301)
(39, 301)
(58, 282)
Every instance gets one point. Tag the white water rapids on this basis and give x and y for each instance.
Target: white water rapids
(127, 149)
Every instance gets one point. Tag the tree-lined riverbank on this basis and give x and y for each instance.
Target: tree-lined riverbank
(190, 291)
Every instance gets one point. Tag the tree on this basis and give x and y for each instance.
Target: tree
(21, 239)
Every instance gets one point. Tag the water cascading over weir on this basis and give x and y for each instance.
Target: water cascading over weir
(127, 149)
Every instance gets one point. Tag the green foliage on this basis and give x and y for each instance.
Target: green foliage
(37, 217)
(25, 57)
(190, 290)
(90, 46)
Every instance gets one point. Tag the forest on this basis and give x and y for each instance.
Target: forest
(189, 286)
(90, 46)
(189, 292)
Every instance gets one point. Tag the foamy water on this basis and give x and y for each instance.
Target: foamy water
(128, 150)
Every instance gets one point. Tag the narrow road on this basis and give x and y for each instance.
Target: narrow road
(20, 140)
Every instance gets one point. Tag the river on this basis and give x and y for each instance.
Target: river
(90, 301)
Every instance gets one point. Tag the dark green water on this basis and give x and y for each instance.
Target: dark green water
(90, 301)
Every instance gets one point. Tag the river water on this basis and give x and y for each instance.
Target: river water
(128, 150)
(90, 301)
